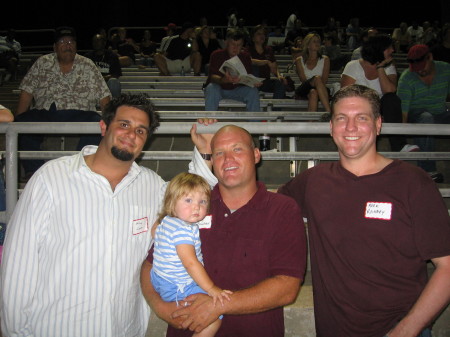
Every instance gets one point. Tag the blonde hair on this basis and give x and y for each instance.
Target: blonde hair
(305, 44)
(182, 184)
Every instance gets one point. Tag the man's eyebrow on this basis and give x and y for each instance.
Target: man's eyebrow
(140, 126)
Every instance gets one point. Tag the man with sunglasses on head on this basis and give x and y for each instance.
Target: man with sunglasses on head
(60, 87)
(424, 89)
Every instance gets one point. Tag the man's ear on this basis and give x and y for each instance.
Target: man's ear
(257, 154)
(103, 127)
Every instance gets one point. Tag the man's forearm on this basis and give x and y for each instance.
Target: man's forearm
(271, 293)
(431, 302)
(24, 104)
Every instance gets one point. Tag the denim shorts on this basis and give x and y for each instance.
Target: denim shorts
(170, 292)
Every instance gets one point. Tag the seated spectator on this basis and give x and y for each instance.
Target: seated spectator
(292, 34)
(313, 69)
(423, 89)
(352, 33)
(147, 48)
(441, 51)
(331, 30)
(181, 54)
(60, 87)
(430, 35)
(402, 38)
(375, 70)
(277, 32)
(220, 86)
(416, 32)
(107, 62)
(6, 116)
(206, 45)
(265, 64)
(297, 47)
(332, 49)
(125, 47)
(10, 51)
(241, 26)
(170, 29)
(365, 34)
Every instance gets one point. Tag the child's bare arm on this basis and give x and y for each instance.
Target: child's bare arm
(186, 253)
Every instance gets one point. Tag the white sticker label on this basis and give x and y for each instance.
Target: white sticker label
(205, 223)
(379, 210)
(140, 226)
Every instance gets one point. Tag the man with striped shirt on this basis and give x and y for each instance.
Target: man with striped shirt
(79, 233)
(423, 90)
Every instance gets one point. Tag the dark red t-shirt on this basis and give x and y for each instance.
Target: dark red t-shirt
(370, 238)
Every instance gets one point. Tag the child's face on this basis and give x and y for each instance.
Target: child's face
(192, 207)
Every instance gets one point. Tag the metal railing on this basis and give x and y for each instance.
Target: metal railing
(288, 130)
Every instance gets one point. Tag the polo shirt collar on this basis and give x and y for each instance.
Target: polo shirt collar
(257, 202)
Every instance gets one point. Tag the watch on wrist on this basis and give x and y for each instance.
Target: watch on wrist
(206, 156)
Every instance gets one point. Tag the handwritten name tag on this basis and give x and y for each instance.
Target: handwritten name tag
(205, 223)
(140, 226)
(379, 210)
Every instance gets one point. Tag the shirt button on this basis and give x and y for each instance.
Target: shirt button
(226, 215)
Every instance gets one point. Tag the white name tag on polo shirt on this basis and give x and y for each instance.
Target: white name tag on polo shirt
(140, 226)
(379, 210)
(205, 223)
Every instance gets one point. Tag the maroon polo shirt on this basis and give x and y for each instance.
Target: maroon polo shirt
(264, 238)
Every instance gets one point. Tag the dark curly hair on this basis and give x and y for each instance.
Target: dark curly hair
(140, 101)
(373, 49)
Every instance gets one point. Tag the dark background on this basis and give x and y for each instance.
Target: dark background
(87, 16)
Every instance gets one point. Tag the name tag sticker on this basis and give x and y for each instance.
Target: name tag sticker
(205, 223)
(379, 210)
(140, 226)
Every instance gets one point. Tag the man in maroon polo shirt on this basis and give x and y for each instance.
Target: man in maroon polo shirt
(253, 244)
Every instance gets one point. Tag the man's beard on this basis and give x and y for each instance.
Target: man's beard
(121, 154)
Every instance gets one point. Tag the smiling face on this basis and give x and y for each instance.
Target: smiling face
(127, 133)
(354, 128)
(192, 207)
(234, 158)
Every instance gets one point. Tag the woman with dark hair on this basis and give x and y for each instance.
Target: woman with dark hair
(313, 69)
(206, 45)
(264, 63)
(375, 69)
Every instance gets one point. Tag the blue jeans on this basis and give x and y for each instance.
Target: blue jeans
(273, 85)
(32, 142)
(427, 143)
(242, 93)
(114, 86)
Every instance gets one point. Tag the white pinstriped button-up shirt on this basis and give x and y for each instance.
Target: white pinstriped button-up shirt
(73, 252)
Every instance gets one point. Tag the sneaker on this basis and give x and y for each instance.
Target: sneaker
(437, 177)
(410, 148)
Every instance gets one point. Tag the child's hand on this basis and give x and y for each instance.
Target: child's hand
(219, 294)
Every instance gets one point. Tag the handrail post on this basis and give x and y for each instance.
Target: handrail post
(11, 162)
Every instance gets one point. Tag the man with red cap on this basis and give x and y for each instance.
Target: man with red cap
(423, 90)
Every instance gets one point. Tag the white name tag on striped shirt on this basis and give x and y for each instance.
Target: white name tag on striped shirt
(379, 210)
(205, 223)
(140, 226)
